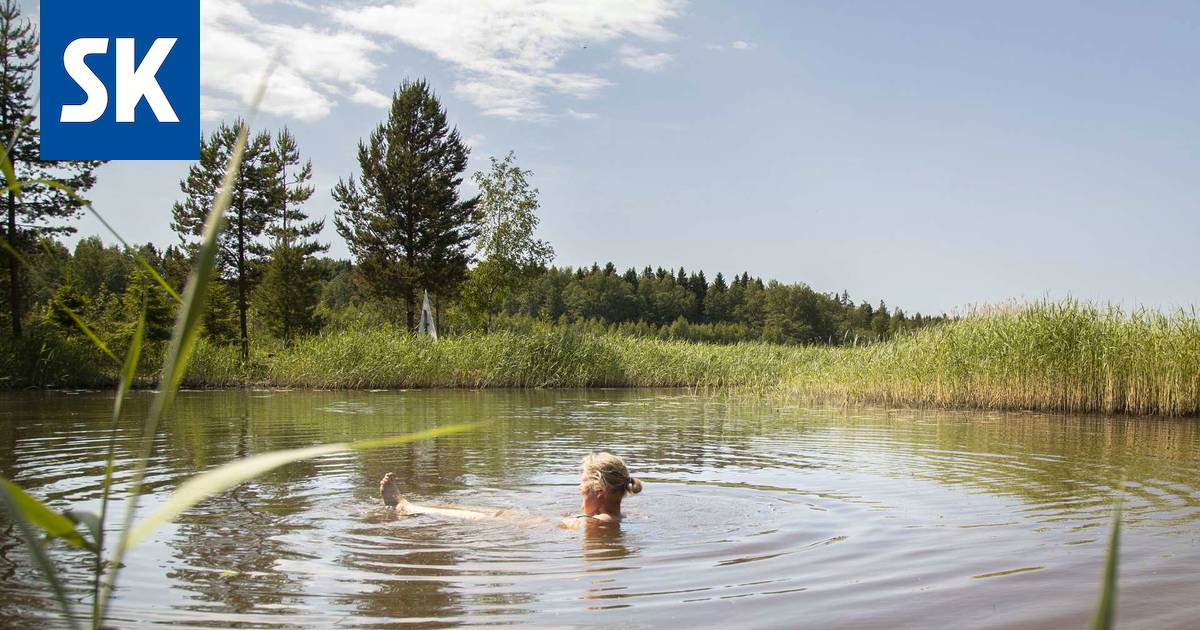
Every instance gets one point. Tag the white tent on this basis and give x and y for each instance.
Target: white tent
(427, 325)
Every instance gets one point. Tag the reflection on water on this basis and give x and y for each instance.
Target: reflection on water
(760, 515)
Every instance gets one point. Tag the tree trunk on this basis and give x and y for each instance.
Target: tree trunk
(242, 277)
(14, 268)
(410, 291)
(410, 306)
(437, 315)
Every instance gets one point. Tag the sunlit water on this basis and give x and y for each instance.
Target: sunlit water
(752, 514)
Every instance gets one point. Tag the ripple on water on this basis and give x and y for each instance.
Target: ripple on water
(760, 516)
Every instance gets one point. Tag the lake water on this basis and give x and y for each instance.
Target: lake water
(752, 514)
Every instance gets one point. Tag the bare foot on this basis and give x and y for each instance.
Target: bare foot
(389, 491)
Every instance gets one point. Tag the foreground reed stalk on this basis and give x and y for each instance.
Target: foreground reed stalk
(29, 514)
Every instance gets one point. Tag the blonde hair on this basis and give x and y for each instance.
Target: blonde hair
(605, 472)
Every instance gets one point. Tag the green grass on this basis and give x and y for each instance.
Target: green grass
(1065, 357)
(388, 358)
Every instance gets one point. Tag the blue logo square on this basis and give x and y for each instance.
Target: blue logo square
(114, 86)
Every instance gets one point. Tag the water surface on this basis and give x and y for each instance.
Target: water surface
(754, 514)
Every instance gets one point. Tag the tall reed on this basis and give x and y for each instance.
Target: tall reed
(1066, 356)
(385, 358)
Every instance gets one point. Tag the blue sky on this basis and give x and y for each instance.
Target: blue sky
(931, 154)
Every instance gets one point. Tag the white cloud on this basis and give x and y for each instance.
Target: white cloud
(315, 66)
(639, 59)
(580, 115)
(366, 96)
(213, 107)
(474, 140)
(735, 45)
(507, 53)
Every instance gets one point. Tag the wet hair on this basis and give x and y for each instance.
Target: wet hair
(605, 472)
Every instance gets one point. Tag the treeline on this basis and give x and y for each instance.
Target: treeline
(682, 305)
(407, 224)
(108, 287)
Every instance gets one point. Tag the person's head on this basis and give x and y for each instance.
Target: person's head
(605, 477)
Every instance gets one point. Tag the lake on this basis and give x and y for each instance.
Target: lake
(756, 514)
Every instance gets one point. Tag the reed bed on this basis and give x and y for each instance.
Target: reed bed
(1066, 357)
(383, 358)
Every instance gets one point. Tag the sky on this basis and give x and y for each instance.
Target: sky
(934, 155)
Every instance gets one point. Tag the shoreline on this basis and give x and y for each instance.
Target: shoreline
(1063, 358)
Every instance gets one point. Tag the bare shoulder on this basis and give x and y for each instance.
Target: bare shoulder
(583, 520)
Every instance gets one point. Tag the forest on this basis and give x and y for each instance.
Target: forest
(107, 286)
(414, 223)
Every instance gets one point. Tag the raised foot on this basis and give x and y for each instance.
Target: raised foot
(389, 491)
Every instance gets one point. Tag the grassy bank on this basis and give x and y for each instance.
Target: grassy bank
(1055, 357)
(552, 358)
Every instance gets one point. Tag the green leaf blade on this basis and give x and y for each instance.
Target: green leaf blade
(36, 513)
(222, 478)
(1106, 608)
(11, 498)
(87, 331)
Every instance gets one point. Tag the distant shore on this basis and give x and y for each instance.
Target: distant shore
(1049, 357)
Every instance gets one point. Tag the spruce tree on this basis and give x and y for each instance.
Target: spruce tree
(698, 285)
(143, 296)
(716, 300)
(290, 292)
(40, 210)
(631, 278)
(68, 298)
(255, 188)
(402, 218)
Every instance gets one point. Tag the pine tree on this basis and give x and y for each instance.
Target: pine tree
(402, 217)
(255, 188)
(40, 210)
(289, 293)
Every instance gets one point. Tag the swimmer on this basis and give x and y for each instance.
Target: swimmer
(603, 483)
(604, 480)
